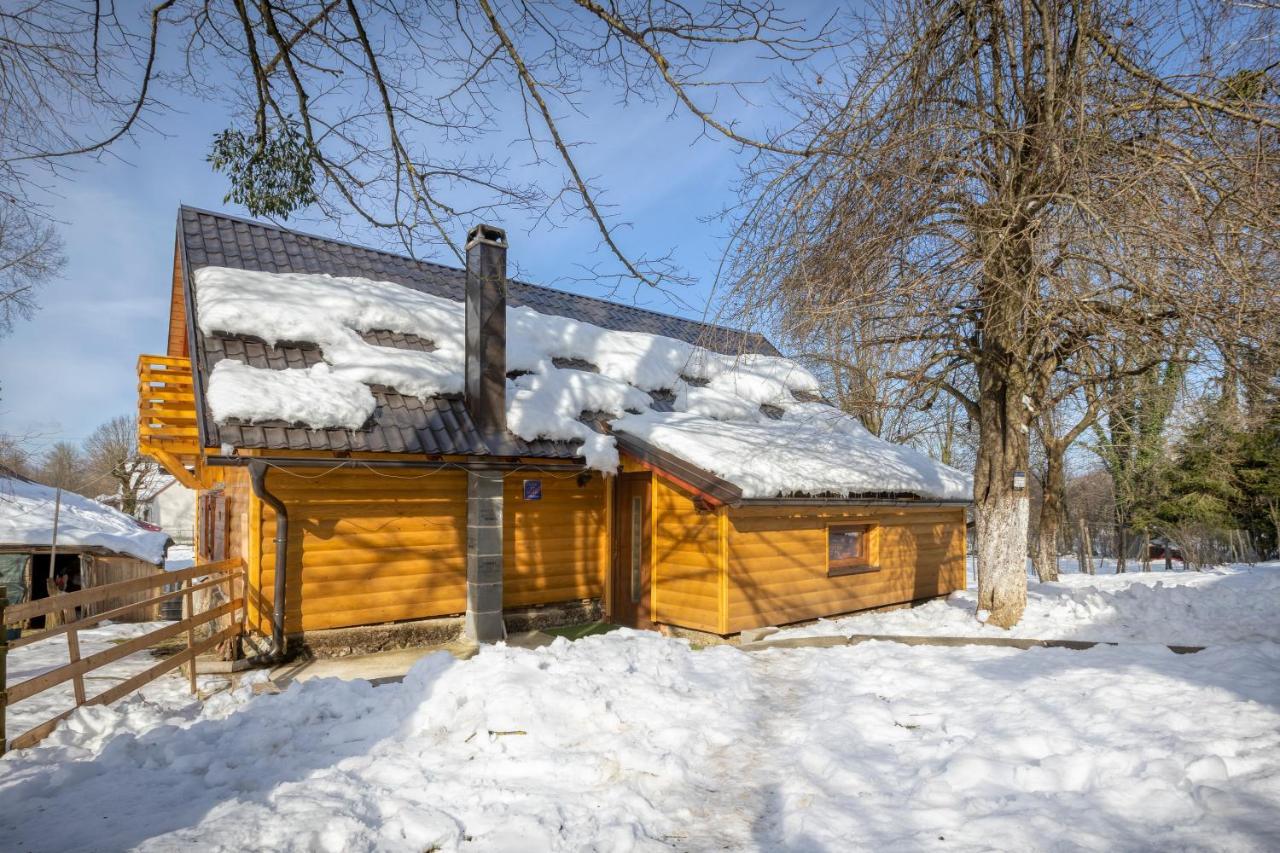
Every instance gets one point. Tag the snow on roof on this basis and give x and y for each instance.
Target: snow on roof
(719, 423)
(26, 518)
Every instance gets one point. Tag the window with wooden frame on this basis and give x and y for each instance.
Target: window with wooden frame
(852, 549)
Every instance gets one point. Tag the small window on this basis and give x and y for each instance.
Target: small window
(849, 549)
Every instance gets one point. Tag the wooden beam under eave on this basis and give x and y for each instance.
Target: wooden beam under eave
(179, 471)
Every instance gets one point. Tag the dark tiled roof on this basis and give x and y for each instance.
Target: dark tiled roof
(400, 424)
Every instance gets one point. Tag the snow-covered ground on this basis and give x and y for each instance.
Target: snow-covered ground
(1228, 605)
(44, 656)
(179, 557)
(40, 657)
(631, 741)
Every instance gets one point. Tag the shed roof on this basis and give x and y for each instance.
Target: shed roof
(27, 513)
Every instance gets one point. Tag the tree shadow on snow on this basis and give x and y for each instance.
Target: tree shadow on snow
(168, 779)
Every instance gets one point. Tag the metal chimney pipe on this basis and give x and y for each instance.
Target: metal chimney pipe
(486, 330)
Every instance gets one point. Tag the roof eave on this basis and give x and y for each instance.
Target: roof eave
(715, 490)
(858, 500)
(195, 342)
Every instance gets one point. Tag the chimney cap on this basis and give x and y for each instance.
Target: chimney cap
(491, 234)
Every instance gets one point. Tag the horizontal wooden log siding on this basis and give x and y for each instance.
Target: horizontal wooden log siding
(557, 548)
(365, 547)
(777, 562)
(686, 561)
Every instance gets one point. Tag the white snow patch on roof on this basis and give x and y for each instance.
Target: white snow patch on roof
(26, 518)
(717, 426)
(315, 396)
(819, 455)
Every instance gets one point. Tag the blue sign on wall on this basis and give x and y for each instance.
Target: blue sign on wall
(533, 490)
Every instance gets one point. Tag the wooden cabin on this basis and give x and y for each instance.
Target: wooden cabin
(434, 505)
(52, 543)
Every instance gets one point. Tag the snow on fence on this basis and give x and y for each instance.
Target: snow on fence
(185, 583)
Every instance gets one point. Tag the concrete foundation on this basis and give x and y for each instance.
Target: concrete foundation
(444, 630)
(554, 615)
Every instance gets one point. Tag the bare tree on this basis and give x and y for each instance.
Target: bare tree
(112, 460)
(398, 111)
(1059, 425)
(995, 187)
(63, 467)
(30, 256)
(15, 455)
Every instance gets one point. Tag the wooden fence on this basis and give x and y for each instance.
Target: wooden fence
(189, 582)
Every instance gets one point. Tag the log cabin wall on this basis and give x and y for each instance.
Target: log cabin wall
(557, 548)
(777, 561)
(177, 339)
(687, 571)
(366, 548)
(370, 547)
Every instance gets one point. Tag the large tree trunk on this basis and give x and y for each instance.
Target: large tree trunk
(1122, 546)
(1002, 512)
(1050, 515)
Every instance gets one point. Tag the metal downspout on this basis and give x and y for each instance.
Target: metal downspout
(258, 481)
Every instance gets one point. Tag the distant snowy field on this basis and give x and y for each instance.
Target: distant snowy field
(630, 741)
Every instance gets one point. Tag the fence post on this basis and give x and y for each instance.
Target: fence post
(73, 655)
(1088, 550)
(191, 633)
(4, 669)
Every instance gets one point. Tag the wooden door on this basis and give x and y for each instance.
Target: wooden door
(632, 555)
(211, 534)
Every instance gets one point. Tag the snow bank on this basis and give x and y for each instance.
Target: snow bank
(718, 424)
(1229, 605)
(634, 742)
(26, 518)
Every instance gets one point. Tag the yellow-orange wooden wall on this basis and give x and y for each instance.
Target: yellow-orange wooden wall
(777, 562)
(369, 547)
(730, 569)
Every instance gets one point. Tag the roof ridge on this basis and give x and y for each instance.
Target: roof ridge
(271, 225)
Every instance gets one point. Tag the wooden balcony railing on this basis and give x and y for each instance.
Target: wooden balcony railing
(167, 415)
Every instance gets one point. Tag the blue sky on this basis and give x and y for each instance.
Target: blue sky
(72, 366)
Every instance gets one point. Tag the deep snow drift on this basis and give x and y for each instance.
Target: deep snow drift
(719, 423)
(630, 741)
